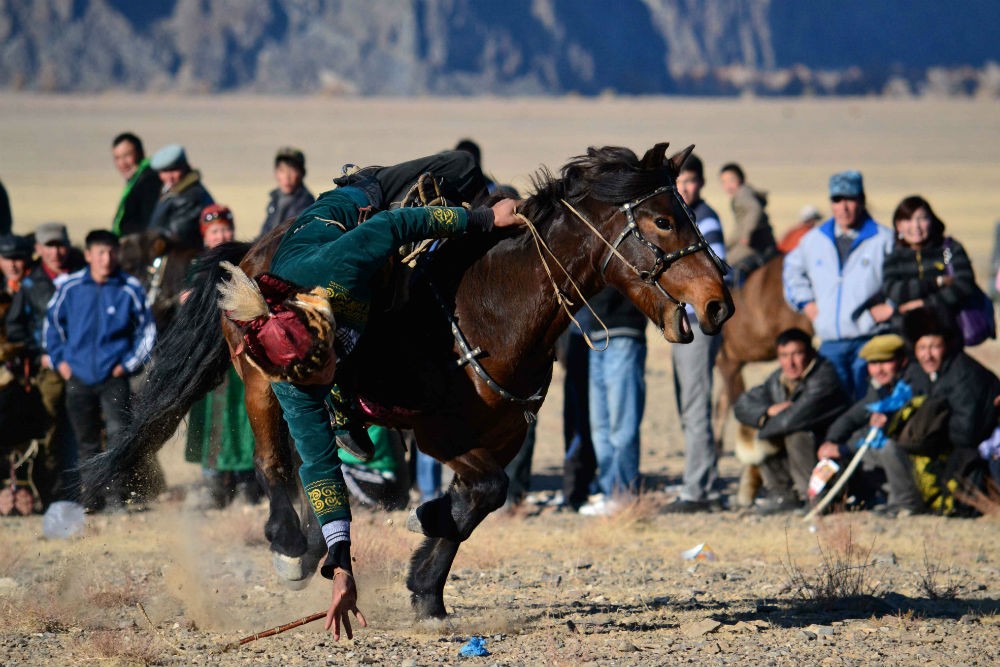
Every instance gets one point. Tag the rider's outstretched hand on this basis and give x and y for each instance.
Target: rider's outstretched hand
(345, 599)
(504, 213)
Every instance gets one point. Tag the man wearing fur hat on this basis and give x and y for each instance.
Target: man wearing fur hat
(792, 411)
(182, 198)
(307, 314)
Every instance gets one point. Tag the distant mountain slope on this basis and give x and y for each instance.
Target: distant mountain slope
(416, 47)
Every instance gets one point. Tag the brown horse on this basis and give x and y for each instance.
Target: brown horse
(761, 314)
(610, 219)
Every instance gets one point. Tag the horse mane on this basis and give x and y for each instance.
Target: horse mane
(611, 174)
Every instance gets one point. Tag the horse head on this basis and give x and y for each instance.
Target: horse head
(653, 251)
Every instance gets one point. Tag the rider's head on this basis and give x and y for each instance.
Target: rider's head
(288, 332)
(170, 163)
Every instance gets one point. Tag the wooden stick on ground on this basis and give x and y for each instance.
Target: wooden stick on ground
(276, 631)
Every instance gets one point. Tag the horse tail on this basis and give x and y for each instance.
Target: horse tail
(189, 360)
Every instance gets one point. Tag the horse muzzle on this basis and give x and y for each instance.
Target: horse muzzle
(714, 314)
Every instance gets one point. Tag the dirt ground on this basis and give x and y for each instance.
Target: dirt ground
(173, 586)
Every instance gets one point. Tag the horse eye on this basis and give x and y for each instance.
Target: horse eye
(664, 224)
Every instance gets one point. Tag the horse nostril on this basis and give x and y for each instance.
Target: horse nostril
(717, 312)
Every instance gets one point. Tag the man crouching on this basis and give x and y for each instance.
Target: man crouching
(792, 410)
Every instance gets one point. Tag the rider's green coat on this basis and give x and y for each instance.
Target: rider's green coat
(327, 247)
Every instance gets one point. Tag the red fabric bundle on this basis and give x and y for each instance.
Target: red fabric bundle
(281, 338)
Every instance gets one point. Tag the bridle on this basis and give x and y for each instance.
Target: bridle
(663, 260)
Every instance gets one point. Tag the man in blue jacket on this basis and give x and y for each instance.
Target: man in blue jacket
(834, 276)
(98, 332)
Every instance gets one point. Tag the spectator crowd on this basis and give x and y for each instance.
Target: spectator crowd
(884, 374)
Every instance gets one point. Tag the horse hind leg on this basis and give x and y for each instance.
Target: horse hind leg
(447, 522)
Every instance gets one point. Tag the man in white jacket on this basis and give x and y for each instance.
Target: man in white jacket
(835, 277)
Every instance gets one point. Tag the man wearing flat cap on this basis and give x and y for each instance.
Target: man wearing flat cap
(182, 198)
(886, 359)
(291, 196)
(56, 259)
(834, 276)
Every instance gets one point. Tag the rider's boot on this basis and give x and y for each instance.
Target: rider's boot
(352, 436)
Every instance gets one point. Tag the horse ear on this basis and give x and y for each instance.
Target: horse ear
(653, 159)
(678, 160)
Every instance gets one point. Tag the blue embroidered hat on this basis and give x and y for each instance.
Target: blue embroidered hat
(169, 157)
(847, 184)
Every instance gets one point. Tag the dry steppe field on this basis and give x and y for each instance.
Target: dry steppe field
(171, 586)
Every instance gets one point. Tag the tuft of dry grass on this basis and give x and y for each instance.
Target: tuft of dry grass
(844, 571)
(126, 646)
(938, 582)
(32, 613)
(986, 503)
(113, 594)
(640, 510)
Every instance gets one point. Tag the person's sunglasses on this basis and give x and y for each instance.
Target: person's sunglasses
(840, 198)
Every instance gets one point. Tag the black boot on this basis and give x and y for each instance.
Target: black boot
(356, 442)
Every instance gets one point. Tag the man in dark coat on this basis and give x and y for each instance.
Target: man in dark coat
(142, 185)
(290, 197)
(178, 211)
(25, 324)
(886, 360)
(792, 410)
(943, 370)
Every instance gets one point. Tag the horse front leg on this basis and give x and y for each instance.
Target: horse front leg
(276, 474)
(478, 488)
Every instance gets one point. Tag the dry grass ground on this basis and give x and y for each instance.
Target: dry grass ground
(554, 588)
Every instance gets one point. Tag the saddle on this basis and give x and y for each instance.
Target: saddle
(399, 272)
(743, 268)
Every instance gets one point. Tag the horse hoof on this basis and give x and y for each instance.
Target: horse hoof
(413, 523)
(291, 571)
(428, 606)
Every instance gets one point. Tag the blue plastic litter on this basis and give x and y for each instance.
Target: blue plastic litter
(476, 646)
